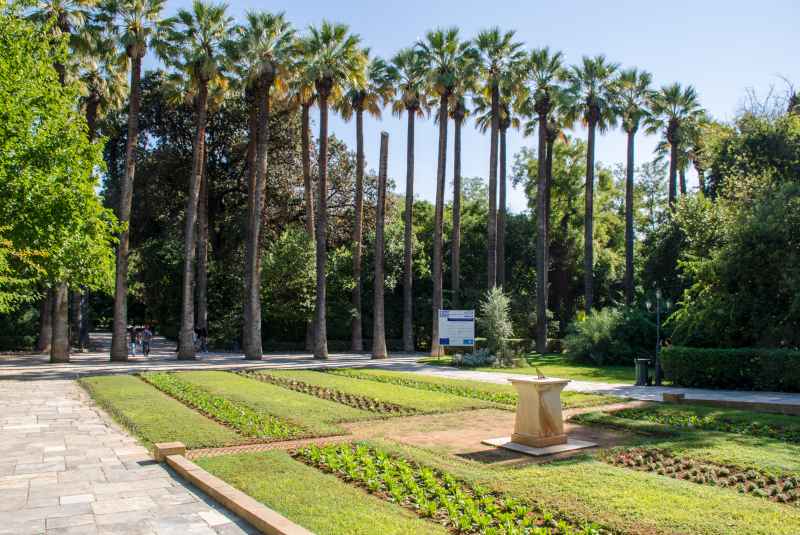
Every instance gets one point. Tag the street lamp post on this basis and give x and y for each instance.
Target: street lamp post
(659, 374)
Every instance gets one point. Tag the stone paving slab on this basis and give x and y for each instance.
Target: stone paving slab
(66, 468)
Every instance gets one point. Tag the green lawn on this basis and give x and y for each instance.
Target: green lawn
(316, 415)
(318, 501)
(420, 400)
(153, 416)
(504, 394)
(558, 365)
(622, 499)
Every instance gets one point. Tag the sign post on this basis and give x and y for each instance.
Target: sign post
(457, 328)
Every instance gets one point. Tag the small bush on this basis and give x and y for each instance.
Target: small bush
(479, 358)
(747, 369)
(611, 336)
(495, 320)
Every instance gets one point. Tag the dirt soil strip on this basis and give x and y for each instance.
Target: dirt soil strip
(612, 407)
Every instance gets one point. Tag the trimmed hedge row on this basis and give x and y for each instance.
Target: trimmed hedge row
(738, 369)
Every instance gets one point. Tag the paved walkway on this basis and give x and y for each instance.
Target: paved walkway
(65, 468)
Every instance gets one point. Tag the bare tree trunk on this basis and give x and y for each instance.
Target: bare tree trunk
(588, 249)
(501, 213)
(541, 237)
(408, 237)
(253, 349)
(438, 223)
(682, 175)
(186, 348)
(249, 251)
(701, 178)
(491, 249)
(201, 321)
(75, 313)
(673, 174)
(356, 342)
(59, 350)
(547, 212)
(378, 322)
(119, 338)
(85, 325)
(456, 238)
(320, 327)
(45, 339)
(629, 220)
(308, 191)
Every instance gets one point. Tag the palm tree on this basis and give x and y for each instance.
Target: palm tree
(411, 98)
(378, 320)
(546, 70)
(632, 93)
(331, 59)
(196, 52)
(671, 107)
(590, 84)
(263, 55)
(442, 51)
(371, 97)
(135, 24)
(498, 55)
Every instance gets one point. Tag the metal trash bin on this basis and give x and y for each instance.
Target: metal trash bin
(642, 372)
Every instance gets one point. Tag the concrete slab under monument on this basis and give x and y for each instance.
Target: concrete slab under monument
(572, 444)
(539, 424)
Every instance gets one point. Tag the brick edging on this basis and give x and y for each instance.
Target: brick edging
(261, 517)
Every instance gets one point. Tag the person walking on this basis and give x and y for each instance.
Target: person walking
(147, 336)
(132, 341)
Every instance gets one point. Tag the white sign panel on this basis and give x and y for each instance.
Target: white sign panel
(457, 328)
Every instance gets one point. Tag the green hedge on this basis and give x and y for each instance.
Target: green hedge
(740, 369)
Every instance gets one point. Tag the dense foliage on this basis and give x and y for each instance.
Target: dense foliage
(611, 336)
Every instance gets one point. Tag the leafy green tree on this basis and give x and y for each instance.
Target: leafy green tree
(591, 86)
(47, 172)
(264, 54)
(331, 59)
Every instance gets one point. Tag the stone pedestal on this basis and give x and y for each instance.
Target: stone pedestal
(539, 425)
(539, 422)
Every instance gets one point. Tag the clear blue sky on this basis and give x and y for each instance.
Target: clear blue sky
(721, 47)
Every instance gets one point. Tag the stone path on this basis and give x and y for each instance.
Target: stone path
(65, 468)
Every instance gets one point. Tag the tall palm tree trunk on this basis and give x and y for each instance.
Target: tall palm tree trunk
(682, 181)
(547, 212)
(45, 339)
(308, 192)
(673, 165)
(438, 223)
(501, 213)
(701, 178)
(456, 238)
(119, 338)
(201, 321)
(541, 237)
(356, 341)
(253, 346)
(629, 220)
(59, 349)
(491, 269)
(588, 244)
(378, 319)
(186, 342)
(249, 251)
(320, 328)
(408, 221)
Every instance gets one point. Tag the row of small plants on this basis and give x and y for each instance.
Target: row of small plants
(331, 394)
(713, 422)
(238, 416)
(783, 489)
(435, 495)
(505, 398)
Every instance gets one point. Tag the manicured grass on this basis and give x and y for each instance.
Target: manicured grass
(558, 365)
(420, 400)
(318, 501)
(153, 416)
(318, 416)
(503, 394)
(622, 499)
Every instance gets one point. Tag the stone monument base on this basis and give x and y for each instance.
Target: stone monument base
(538, 442)
(569, 444)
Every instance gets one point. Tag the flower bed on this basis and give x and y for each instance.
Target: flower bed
(505, 398)
(783, 489)
(712, 422)
(436, 495)
(235, 415)
(331, 394)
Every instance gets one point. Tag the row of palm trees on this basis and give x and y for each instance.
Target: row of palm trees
(267, 63)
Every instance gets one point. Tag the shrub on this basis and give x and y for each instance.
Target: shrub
(747, 368)
(611, 336)
(495, 320)
(481, 357)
